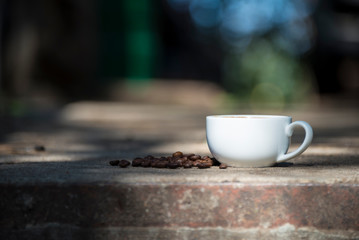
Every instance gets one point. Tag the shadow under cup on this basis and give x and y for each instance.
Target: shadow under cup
(253, 140)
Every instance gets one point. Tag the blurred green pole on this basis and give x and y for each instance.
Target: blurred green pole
(128, 43)
(139, 41)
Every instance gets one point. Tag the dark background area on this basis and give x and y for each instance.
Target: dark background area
(76, 50)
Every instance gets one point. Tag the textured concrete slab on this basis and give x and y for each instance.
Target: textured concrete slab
(70, 190)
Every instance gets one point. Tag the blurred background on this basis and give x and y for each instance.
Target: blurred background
(205, 53)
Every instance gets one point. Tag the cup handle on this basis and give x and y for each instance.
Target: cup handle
(307, 139)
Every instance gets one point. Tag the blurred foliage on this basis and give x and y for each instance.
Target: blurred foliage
(265, 75)
(262, 42)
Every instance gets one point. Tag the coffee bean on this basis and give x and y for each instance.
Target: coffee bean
(181, 161)
(188, 155)
(177, 154)
(203, 165)
(149, 157)
(114, 162)
(173, 165)
(137, 162)
(195, 163)
(208, 160)
(154, 162)
(146, 163)
(176, 160)
(223, 166)
(39, 148)
(161, 164)
(124, 163)
(187, 164)
(194, 157)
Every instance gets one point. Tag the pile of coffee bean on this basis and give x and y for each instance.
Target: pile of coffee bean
(177, 160)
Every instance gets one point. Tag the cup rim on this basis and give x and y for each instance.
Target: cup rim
(248, 116)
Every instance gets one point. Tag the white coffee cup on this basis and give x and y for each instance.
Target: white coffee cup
(253, 140)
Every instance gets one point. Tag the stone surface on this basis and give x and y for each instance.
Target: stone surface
(69, 191)
(222, 205)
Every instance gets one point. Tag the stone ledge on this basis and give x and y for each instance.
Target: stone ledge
(287, 231)
(70, 191)
(96, 170)
(267, 207)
